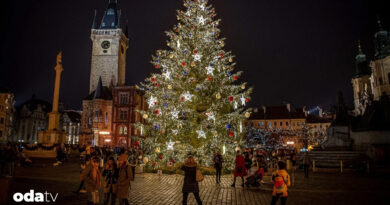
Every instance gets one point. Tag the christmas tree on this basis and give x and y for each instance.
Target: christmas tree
(196, 99)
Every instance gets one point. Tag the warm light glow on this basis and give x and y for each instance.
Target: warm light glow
(104, 133)
(223, 149)
(107, 140)
(290, 142)
(310, 147)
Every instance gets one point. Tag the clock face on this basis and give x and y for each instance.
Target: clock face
(105, 44)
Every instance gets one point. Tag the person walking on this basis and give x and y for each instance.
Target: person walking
(91, 176)
(111, 174)
(124, 178)
(239, 168)
(190, 184)
(133, 161)
(281, 181)
(83, 164)
(218, 160)
(306, 164)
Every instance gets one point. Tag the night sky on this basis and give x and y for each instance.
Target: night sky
(290, 51)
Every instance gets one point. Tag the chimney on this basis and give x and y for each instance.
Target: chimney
(288, 106)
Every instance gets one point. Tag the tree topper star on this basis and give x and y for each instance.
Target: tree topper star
(201, 20)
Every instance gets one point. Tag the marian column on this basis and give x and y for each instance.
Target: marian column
(54, 116)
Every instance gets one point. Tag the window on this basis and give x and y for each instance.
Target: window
(121, 130)
(275, 124)
(123, 115)
(281, 123)
(1, 133)
(269, 125)
(125, 130)
(258, 124)
(1, 120)
(262, 123)
(286, 123)
(106, 118)
(124, 98)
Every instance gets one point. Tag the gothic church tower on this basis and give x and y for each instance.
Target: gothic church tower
(109, 45)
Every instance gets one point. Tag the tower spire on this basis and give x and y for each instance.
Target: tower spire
(94, 23)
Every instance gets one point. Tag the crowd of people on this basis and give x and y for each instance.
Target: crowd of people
(12, 155)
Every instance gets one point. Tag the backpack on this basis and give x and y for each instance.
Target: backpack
(279, 183)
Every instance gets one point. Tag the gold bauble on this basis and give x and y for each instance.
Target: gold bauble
(168, 44)
(157, 150)
(145, 116)
(224, 68)
(215, 133)
(230, 60)
(243, 87)
(169, 87)
(218, 96)
(193, 64)
(171, 55)
(247, 114)
(222, 44)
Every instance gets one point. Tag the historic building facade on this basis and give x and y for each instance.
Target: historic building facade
(109, 111)
(372, 79)
(71, 125)
(7, 112)
(32, 117)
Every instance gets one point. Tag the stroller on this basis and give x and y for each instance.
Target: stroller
(255, 178)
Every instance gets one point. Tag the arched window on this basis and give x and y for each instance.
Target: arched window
(125, 130)
(121, 130)
(106, 119)
(269, 125)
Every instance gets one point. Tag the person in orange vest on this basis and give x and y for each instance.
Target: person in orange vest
(281, 181)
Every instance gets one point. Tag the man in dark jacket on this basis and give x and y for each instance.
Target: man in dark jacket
(218, 160)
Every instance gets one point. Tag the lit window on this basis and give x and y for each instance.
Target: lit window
(258, 124)
(269, 125)
(125, 130)
(106, 120)
(121, 130)
(262, 123)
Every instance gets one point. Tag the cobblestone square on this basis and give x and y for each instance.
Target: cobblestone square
(320, 188)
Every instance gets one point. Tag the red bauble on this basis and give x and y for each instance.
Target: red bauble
(230, 98)
(157, 112)
(183, 63)
(195, 51)
(221, 55)
(209, 78)
(156, 84)
(137, 143)
(182, 98)
(235, 78)
(154, 163)
(154, 79)
(231, 134)
(161, 156)
(156, 66)
(155, 103)
(247, 100)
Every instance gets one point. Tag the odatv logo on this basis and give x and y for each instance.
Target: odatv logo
(33, 196)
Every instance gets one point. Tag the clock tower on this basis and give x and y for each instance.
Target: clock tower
(109, 45)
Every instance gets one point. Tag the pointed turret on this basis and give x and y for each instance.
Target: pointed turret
(361, 63)
(382, 47)
(94, 23)
(99, 89)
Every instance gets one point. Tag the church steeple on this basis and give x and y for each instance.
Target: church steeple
(361, 63)
(382, 42)
(111, 18)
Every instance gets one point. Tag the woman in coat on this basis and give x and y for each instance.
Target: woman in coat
(190, 183)
(125, 176)
(239, 169)
(111, 177)
(91, 176)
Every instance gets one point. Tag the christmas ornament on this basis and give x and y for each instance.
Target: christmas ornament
(230, 60)
(170, 56)
(169, 87)
(157, 112)
(161, 156)
(197, 57)
(175, 114)
(193, 64)
(175, 132)
(209, 78)
(178, 43)
(156, 127)
(167, 75)
(154, 163)
(235, 77)
(145, 160)
(228, 126)
(145, 116)
(215, 134)
(152, 101)
(170, 145)
(183, 64)
(201, 20)
(218, 96)
(247, 114)
(157, 150)
(230, 98)
(187, 96)
(243, 100)
(243, 86)
(210, 70)
(231, 134)
(201, 134)
(156, 66)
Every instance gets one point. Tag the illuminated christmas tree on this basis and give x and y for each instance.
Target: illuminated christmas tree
(196, 99)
